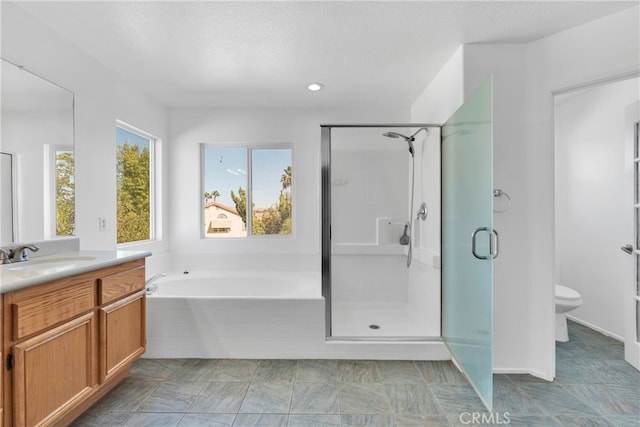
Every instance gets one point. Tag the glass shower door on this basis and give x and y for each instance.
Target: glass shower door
(469, 242)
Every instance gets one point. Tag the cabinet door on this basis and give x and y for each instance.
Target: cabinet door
(53, 371)
(122, 331)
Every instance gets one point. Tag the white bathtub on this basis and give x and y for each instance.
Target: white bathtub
(254, 315)
(234, 284)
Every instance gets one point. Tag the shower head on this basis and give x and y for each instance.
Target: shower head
(394, 135)
(409, 139)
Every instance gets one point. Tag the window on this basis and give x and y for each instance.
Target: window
(135, 189)
(59, 191)
(237, 177)
(65, 191)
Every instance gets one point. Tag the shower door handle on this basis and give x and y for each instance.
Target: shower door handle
(494, 248)
(493, 243)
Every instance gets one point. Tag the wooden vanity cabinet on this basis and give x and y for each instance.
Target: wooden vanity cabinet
(64, 348)
(122, 320)
(53, 372)
(1, 372)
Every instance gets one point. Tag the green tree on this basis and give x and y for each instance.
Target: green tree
(284, 210)
(274, 220)
(65, 194)
(215, 195)
(257, 226)
(133, 193)
(277, 219)
(287, 178)
(240, 201)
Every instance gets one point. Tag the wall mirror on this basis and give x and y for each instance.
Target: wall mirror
(37, 187)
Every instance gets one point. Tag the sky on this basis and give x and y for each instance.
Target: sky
(123, 135)
(226, 169)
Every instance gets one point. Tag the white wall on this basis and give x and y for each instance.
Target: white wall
(368, 191)
(366, 186)
(600, 49)
(435, 104)
(524, 78)
(100, 99)
(190, 127)
(594, 198)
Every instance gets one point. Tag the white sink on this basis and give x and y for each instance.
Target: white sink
(49, 261)
(58, 259)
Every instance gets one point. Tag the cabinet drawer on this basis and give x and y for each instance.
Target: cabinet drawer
(120, 284)
(51, 308)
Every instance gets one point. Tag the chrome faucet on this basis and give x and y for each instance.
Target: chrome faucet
(153, 278)
(19, 253)
(4, 257)
(148, 284)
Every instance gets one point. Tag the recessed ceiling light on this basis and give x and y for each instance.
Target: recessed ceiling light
(314, 87)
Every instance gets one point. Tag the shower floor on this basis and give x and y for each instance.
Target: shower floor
(354, 320)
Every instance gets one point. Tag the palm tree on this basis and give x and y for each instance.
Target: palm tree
(286, 178)
(211, 195)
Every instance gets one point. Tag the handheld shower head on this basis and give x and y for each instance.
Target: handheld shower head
(409, 139)
(406, 138)
(405, 239)
(394, 135)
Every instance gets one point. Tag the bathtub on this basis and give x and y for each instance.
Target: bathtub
(234, 284)
(254, 315)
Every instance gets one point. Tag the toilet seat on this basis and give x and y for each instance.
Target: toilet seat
(566, 294)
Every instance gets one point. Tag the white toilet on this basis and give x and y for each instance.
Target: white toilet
(567, 299)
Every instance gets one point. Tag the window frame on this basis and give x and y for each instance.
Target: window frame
(249, 162)
(154, 187)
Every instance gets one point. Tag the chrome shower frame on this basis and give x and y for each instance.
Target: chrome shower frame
(325, 231)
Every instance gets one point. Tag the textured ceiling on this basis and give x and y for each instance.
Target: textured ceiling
(210, 53)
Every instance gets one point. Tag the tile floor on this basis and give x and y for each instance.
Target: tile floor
(594, 387)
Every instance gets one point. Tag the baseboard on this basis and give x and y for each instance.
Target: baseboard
(595, 328)
(521, 372)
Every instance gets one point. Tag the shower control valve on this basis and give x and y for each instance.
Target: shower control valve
(422, 212)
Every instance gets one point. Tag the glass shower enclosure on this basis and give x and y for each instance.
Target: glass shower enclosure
(371, 182)
(393, 271)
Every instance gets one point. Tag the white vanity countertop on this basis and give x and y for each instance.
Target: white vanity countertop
(60, 265)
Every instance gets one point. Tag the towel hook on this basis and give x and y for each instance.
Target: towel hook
(501, 193)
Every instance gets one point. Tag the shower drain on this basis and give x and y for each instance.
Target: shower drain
(374, 326)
